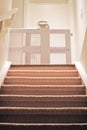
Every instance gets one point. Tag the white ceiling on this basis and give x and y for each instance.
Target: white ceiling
(49, 1)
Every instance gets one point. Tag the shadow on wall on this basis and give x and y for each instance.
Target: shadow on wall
(83, 58)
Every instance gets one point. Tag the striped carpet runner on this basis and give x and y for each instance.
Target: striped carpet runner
(43, 97)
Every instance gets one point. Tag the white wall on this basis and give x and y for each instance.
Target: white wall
(81, 37)
(80, 22)
(5, 5)
(72, 30)
(19, 18)
(83, 58)
(57, 15)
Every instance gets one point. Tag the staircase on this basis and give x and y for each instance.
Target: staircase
(43, 97)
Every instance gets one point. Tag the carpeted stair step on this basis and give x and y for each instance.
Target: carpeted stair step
(43, 101)
(43, 115)
(43, 126)
(43, 73)
(43, 89)
(43, 67)
(43, 97)
(43, 80)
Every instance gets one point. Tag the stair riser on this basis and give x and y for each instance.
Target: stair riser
(44, 74)
(45, 98)
(43, 101)
(44, 118)
(43, 90)
(42, 104)
(43, 67)
(43, 127)
(45, 81)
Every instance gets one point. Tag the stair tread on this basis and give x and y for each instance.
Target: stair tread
(45, 96)
(41, 124)
(44, 110)
(54, 71)
(21, 85)
(26, 77)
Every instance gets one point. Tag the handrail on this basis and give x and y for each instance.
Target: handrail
(8, 14)
(5, 20)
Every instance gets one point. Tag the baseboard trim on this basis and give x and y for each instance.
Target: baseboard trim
(4, 71)
(82, 72)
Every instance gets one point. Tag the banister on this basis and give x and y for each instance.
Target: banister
(8, 15)
(5, 20)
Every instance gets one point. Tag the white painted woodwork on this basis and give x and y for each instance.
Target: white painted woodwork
(37, 46)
